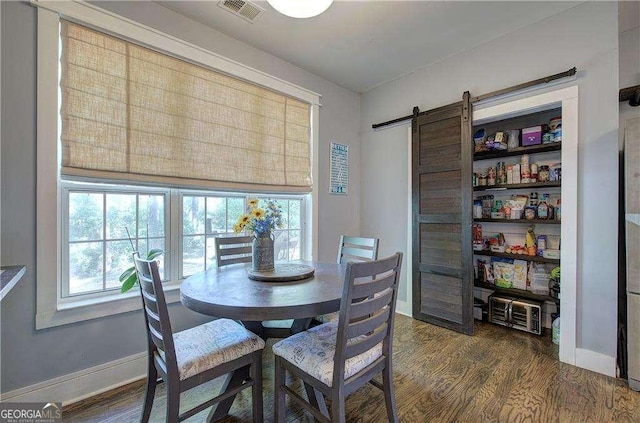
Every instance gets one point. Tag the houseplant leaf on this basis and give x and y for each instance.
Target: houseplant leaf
(128, 282)
(127, 274)
(153, 253)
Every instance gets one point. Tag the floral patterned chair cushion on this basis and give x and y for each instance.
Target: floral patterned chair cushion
(328, 318)
(313, 350)
(203, 347)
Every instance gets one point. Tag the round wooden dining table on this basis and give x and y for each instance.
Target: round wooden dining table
(229, 292)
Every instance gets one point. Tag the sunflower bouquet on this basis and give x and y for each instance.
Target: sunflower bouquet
(259, 220)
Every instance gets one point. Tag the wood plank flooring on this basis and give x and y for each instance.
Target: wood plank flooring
(498, 375)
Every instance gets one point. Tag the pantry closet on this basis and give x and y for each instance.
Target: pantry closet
(444, 273)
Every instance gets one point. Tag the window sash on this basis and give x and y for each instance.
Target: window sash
(70, 187)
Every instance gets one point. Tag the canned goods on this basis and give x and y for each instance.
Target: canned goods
(534, 172)
(477, 209)
(543, 174)
(530, 213)
(491, 177)
(501, 173)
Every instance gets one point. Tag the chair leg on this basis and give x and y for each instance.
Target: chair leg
(152, 380)
(280, 398)
(173, 403)
(338, 412)
(389, 392)
(256, 376)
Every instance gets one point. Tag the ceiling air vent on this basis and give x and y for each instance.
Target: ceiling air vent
(246, 10)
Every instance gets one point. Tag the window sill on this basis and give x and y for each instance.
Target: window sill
(72, 311)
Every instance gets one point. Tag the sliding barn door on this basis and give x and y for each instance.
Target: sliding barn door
(441, 184)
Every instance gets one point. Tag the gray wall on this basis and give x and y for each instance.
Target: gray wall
(29, 356)
(584, 36)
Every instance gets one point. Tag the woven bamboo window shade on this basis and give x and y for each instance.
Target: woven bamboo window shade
(131, 113)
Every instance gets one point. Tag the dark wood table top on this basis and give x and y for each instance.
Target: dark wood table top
(228, 292)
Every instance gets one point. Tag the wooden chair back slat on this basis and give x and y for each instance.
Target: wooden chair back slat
(156, 337)
(358, 346)
(228, 261)
(370, 305)
(367, 325)
(150, 301)
(371, 287)
(233, 249)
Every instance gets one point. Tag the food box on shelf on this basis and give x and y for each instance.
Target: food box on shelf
(520, 274)
(532, 136)
(551, 254)
(503, 273)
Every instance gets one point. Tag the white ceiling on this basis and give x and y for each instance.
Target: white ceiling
(362, 44)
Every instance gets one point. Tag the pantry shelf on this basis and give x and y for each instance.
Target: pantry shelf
(518, 151)
(550, 184)
(515, 292)
(516, 256)
(528, 221)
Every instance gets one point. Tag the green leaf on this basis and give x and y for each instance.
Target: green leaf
(129, 282)
(127, 274)
(153, 253)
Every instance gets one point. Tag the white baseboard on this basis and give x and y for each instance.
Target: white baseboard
(596, 362)
(404, 308)
(83, 384)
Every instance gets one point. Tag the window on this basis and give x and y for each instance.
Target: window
(206, 216)
(143, 181)
(106, 223)
(288, 240)
(104, 226)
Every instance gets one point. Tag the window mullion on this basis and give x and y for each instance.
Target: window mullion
(175, 231)
(104, 241)
(206, 246)
(66, 253)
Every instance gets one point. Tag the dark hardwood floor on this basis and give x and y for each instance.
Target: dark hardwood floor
(498, 375)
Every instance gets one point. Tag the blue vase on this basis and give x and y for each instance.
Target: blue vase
(263, 252)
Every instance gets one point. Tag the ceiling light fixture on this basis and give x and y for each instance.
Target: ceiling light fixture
(300, 8)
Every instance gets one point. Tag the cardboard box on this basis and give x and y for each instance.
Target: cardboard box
(520, 274)
(532, 136)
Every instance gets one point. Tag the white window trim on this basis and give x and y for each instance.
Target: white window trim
(50, 311)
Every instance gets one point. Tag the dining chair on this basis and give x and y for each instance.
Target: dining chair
(193, 356)
(337, 358)
(233, 249)
(237, 249)
(352, 249)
